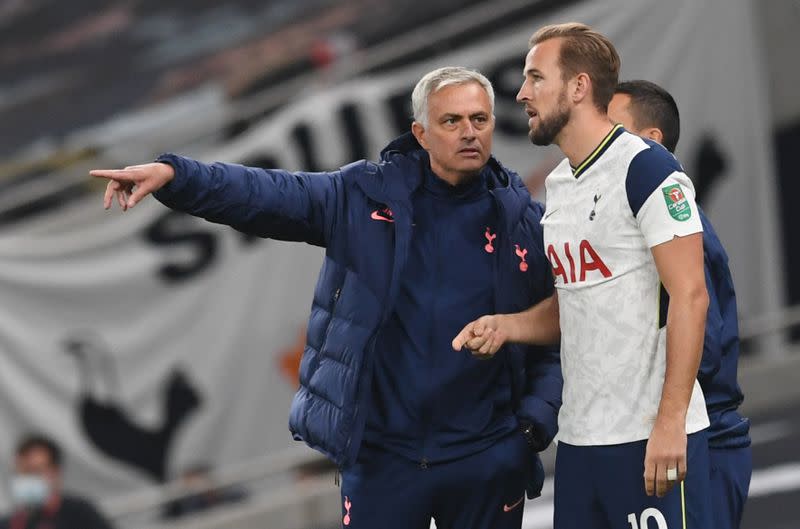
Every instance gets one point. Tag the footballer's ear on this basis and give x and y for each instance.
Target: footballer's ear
(653, 133)
(580, 87)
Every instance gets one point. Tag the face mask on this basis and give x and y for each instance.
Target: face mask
(29, 490)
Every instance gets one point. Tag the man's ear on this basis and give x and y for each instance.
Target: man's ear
(653, 133)
(419, 132)
(581, 85)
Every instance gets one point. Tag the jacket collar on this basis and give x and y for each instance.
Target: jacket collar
(404, 144)
(401, 171)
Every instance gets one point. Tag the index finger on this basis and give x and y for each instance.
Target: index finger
(113, 174)
(463, 337)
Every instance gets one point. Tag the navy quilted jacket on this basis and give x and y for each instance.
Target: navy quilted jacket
(359, 280)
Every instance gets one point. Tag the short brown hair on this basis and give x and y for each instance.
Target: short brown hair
(584, 50)
(33, 441)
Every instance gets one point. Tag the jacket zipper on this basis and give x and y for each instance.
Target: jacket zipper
(428, 417)
(501, 238)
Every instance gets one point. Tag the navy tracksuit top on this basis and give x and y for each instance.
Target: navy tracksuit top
(363, 215)
(430, 403)
(718, 368)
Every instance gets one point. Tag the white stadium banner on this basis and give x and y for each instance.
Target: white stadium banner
(147, 341)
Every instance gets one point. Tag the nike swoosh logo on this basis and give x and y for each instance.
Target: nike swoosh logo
(507, 508)
(548, 213)
(376, 216)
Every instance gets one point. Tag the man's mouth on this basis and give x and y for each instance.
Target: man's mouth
(469, 151)
(532, 116)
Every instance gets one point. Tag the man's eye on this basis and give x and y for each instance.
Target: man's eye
(450, 121)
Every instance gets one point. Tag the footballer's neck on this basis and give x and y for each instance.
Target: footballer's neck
(581, 136)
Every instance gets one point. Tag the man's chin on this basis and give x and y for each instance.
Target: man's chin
(538, 140)
(472, 166)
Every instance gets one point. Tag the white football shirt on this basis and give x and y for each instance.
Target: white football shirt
(600, 222)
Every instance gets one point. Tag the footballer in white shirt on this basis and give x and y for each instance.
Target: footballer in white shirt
(624, 239)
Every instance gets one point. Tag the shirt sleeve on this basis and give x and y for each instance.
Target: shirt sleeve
(661, 197)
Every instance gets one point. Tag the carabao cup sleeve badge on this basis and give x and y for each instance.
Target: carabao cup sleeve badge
(677, 205)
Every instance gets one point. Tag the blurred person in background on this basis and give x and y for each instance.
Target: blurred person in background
(39, 502)
(625, 244)
(646, 109)
(435, 234)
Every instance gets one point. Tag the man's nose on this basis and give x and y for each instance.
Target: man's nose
(521, 95)
(468, 130)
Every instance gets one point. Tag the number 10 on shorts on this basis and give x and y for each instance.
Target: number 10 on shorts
(647, 514)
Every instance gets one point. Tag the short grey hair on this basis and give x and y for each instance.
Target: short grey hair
(434, 81)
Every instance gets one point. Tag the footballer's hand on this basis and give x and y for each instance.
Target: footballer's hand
(665, 458)
(484, 336)
(130, 185)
